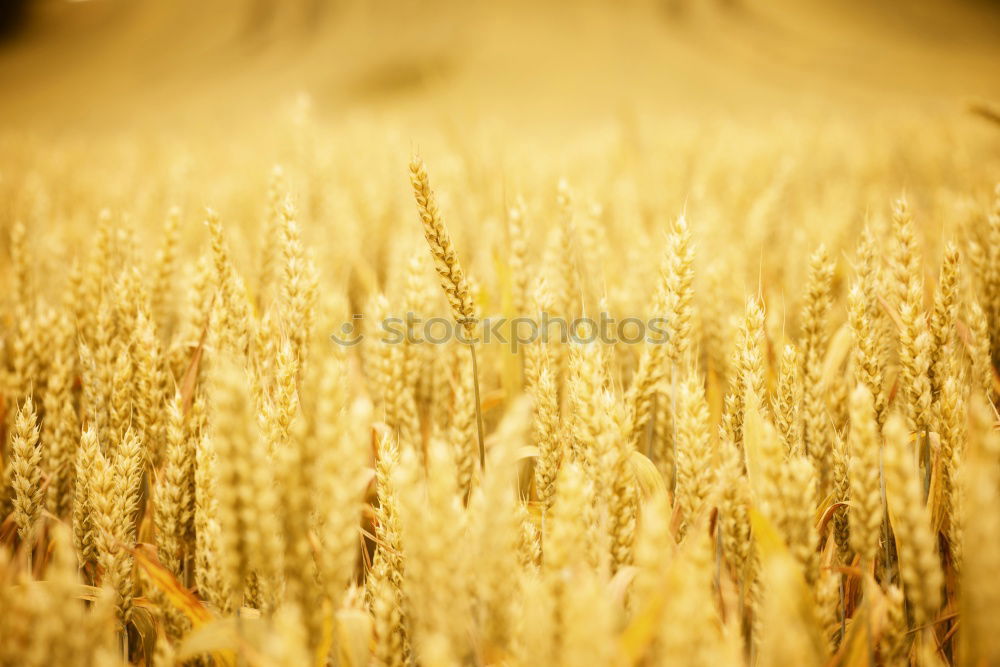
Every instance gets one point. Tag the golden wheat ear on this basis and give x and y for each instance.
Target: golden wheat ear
(453, 280)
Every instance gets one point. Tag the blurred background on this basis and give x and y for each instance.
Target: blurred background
(86, 64)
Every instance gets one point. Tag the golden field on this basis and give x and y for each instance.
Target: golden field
(798, 465)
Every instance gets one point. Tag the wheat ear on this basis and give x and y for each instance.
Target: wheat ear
(26, 472)
(453, 280)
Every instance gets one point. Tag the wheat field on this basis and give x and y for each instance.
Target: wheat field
(219, 447)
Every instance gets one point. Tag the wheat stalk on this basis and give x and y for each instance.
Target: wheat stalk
(453, 280)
